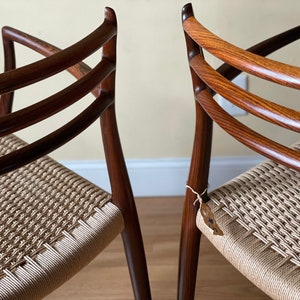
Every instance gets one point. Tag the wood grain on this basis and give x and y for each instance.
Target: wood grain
(206, 83)
(107, 276)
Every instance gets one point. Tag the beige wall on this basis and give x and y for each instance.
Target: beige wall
(154, 97)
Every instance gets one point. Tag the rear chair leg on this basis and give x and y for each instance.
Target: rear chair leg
(136, 260)
(189, 252)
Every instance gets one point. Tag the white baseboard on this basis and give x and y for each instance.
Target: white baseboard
(163, 177)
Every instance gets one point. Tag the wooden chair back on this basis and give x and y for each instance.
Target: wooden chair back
(208, 82)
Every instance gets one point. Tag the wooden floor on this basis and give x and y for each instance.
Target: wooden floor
(106, 278)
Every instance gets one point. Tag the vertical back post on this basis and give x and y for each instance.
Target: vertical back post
(197, 180)
(120, 184)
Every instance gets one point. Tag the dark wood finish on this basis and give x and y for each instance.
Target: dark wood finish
(207, 82)
(100, 81)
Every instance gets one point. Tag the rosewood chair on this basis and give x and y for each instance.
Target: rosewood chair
(253, 220)
(52, 221)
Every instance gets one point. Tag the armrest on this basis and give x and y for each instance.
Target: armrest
(11, 35)
(264, 48)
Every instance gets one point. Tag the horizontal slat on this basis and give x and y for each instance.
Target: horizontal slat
(263, 108)
(247, 136)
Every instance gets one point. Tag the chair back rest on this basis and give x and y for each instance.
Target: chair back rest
(98, 80)
(207, 81)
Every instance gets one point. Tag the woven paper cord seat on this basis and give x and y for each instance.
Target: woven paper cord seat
(259, 213)
(53, 222)
(253, 220)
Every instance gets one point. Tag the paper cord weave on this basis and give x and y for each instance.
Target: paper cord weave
(38, 203)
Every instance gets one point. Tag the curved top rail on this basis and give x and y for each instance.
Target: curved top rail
(264, 48)
(23, 76)
(243, 60)
(40, 46)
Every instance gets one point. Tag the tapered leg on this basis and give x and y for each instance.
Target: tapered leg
(189, 251)
(136, 260)
(123, 198)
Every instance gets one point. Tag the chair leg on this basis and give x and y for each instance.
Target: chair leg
(189, 253)
(123, 198)
(136, 260)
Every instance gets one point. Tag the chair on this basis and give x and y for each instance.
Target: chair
(53, 222)
(253, 220)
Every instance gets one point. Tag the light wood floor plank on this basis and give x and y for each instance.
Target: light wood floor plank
(107, 278)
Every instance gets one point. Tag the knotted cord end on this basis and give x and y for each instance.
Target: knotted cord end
(207, 214)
